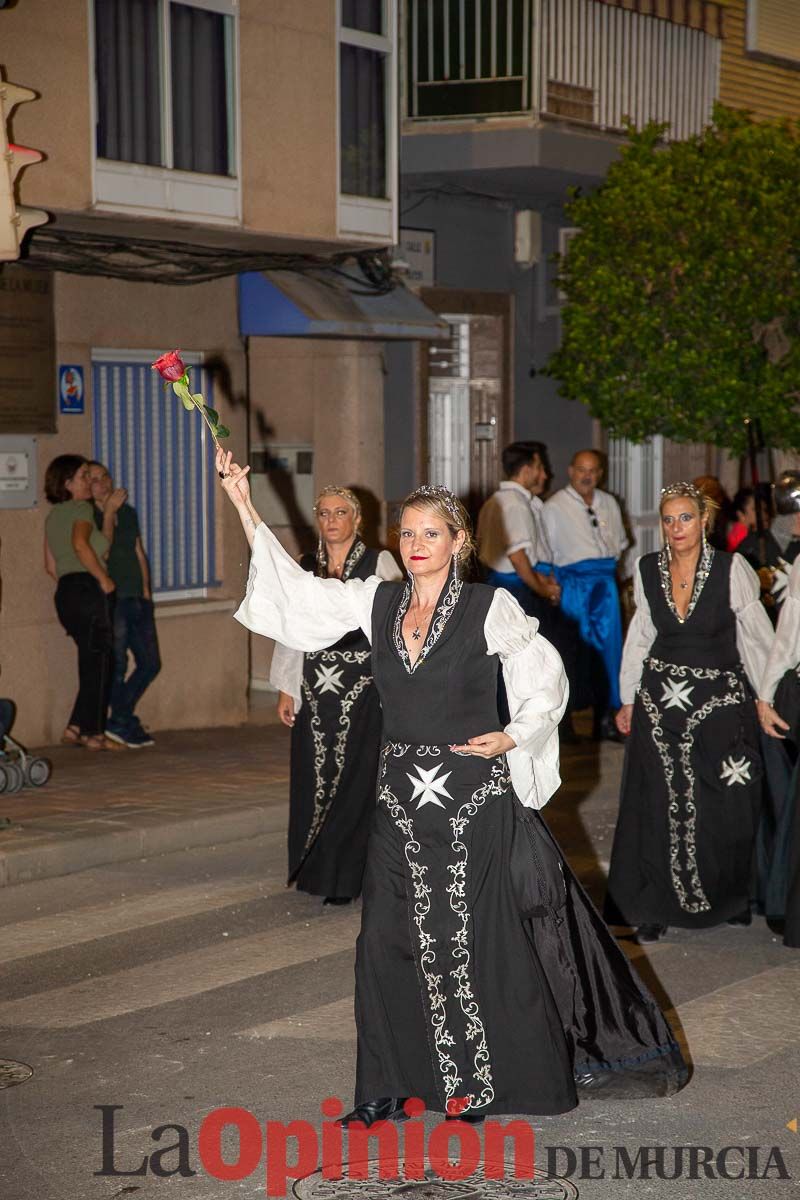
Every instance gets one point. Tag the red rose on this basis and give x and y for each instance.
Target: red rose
(170, 366)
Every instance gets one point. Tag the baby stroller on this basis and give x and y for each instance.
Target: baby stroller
(17, 766)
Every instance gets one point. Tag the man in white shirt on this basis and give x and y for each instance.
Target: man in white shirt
(586, 537)
(512, 544)
(510, 538)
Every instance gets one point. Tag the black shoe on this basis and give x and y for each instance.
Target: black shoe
(387, 1108)
(646, 934)
(337, 900)
(741, 919)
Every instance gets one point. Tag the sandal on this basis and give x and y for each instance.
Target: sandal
(94, 741)
(71, 736)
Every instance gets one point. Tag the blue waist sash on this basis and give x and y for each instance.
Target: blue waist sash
(589, 596)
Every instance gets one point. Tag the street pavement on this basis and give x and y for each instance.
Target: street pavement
(174, 983)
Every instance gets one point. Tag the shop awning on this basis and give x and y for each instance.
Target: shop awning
(332, 304)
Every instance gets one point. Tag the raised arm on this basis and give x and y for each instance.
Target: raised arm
(283, 601)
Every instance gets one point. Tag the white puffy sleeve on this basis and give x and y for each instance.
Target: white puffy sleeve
(386, 567)
(537, 690)
(295, 608)
(754, 634)
(785, 652)
(638, 640)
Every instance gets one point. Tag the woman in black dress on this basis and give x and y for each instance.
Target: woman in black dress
(329, 701)
(485, 980)
(779, 713)
(691, 787)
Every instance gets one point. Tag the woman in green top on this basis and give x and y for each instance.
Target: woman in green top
(74, 554)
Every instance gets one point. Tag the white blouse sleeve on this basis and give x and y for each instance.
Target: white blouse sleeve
(295, 608)
(286, 672)
(754, 634)
(785, 652)
(537, 690)
(638, 640)
(387, 568)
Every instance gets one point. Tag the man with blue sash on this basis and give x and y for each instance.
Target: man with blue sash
(511, 540)
(586, 538)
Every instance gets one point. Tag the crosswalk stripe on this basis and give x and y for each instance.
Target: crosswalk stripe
(334, 1022)
(62, 930)
(183, 976)
(744, 1023)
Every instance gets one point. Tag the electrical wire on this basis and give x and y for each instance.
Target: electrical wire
(146, 260)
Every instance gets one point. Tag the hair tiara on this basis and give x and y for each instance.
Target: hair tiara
(436, 491)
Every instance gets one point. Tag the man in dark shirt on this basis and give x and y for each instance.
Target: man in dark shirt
(134, 624)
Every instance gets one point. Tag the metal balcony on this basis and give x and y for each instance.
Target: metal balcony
(583, 61)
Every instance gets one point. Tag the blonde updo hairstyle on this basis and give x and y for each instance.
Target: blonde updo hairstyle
(344, 494)
(433, 498)
(707, 508)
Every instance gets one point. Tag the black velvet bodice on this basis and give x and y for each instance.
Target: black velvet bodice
(707, 636)
(451, 694)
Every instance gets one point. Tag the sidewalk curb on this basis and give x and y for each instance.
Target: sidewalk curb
(66, 855)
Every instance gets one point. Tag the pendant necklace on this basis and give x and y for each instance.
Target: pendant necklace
(416, 633)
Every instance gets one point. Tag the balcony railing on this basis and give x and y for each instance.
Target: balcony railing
(576, 60)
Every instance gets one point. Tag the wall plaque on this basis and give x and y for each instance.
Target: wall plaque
(27, 351)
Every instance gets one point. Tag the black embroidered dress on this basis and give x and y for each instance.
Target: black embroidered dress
(691, 788)
(335, 744)
(484, 977)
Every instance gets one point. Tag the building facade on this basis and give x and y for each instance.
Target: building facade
(183, 139)
(506, 107)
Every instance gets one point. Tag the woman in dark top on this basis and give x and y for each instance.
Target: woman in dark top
(683, 848)
(329, 701)
(485, 980)
(74, 554)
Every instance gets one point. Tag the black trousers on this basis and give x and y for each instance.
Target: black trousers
(84, 611)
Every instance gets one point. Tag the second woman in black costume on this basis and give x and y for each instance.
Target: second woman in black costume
(329, 701)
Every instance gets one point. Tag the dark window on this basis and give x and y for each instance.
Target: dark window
(128, 81)
(130, 85)
(200, 125)
(366, 15)
(363, 122)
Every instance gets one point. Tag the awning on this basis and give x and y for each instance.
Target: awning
(325, 303)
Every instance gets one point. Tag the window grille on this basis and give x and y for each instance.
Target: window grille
(164, 456)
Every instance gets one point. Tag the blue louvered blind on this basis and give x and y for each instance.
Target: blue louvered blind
(164, 457)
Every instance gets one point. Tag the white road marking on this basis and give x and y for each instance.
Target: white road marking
(334, 1022)
(42, 934)
(743, 1023)
(183, 975)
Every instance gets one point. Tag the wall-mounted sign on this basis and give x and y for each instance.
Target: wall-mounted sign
(17, 471)
(27, 351)
(418, 249)
(70, 389)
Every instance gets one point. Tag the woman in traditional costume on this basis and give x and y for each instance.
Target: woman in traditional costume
(779, 713)
(485, 981)
(329, 701)
(691, 785)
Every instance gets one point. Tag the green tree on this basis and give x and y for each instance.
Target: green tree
(683, 289)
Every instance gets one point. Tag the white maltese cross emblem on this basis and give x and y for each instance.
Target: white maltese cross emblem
(677, 694)
(428, 786)
(736, 770)
(329, 679)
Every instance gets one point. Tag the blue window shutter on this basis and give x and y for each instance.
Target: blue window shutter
(164, 456)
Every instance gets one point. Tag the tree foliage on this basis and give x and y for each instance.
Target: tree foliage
(683, 289)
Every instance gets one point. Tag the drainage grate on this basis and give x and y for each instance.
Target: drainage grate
(542, 1187)
(12, 1073)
